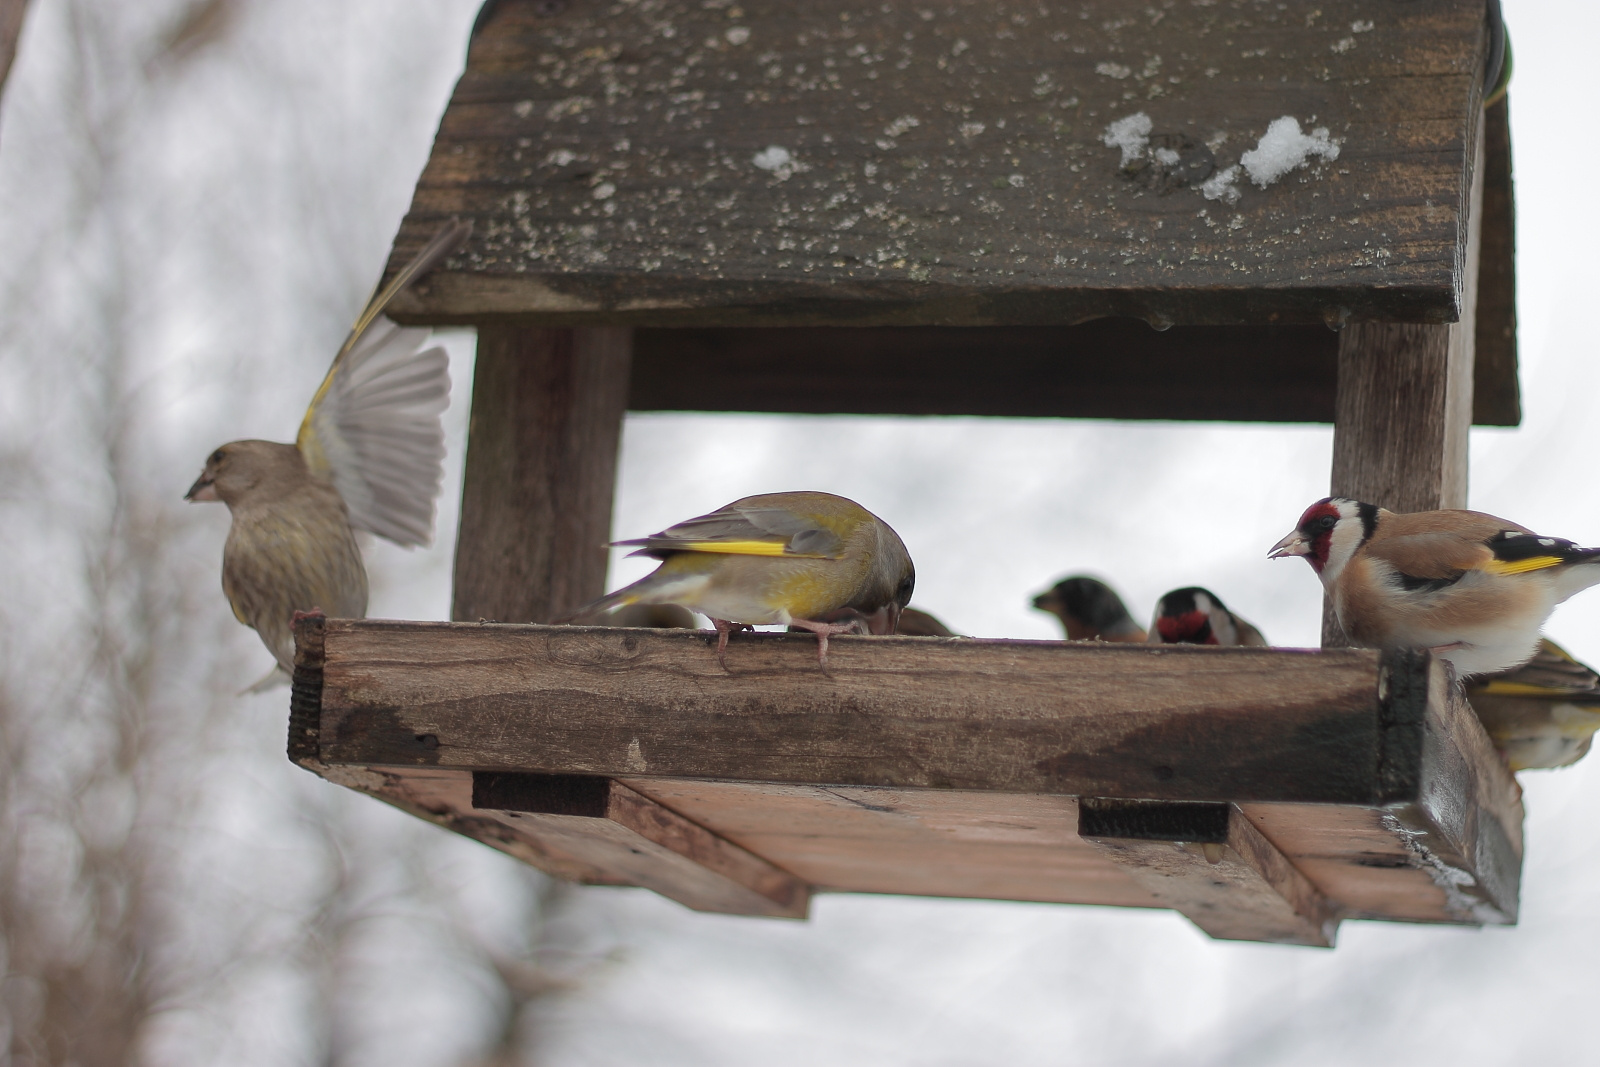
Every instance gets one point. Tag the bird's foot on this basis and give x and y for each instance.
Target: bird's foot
(1451, 647)
(852, 623)
(724, 630)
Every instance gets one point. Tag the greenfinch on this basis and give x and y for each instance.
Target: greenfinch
(811, 560)
(1089, 611)
(369, 456)
(1541, 714)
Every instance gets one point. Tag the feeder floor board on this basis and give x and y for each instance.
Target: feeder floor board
(1264, 793)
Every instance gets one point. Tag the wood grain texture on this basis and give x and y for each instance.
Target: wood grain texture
(1020, 716)
(615, 159)
(945, 843)
(638, 841)
(1220, 873)
(939, 766)
(547, 408)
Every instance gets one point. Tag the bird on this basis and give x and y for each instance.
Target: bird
(369, 456)
(651, 617)
(1194, 616)
(1089, 611)
(1541, 714)
(914, 623)
(1472, 588)
(807, 559)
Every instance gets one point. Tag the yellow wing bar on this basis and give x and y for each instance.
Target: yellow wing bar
(1522, 566)
(737, 548)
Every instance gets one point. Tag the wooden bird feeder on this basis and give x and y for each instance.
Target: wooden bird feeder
(743, 205)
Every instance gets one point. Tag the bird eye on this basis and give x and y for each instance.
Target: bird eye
(1327, 522)
(216, 457)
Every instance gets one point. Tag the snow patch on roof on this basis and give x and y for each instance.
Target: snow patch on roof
(1285, 147)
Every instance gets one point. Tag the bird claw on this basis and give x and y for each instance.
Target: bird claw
(724, 630)
(844, 622)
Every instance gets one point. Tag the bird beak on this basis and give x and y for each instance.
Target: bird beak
(1293, 545)
(202, 490)
(1045, 601)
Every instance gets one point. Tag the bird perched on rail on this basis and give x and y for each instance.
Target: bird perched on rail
(1089, 611)
(1194, 616)
(914, 623)
(1473, 588)
(1543, 713)
(369, 456)
(812, 560)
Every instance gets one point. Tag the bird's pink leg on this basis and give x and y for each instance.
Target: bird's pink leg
(724, 629)
(1451, 647)
(823, 630)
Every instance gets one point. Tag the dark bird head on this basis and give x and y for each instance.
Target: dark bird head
(1088, 609)
(1184, 617)
(246, 469)
(914, 623)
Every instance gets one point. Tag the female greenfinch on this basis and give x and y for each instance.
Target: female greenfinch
(369, 456)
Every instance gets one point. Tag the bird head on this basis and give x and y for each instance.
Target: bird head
(1192, 616)
(1328, 534)
(1087, 608)
(241, 468)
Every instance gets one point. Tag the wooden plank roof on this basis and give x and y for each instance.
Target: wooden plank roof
(677, 162)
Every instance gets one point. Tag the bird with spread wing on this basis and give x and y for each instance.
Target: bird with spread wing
(369, 456)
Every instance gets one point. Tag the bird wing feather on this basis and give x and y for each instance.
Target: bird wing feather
(1431, 555)
(747, 531)
(373, 427)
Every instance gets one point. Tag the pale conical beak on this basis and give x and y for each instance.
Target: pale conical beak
(202, 490)
(1293, 545)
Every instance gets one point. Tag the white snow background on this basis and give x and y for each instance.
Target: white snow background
(992, 510)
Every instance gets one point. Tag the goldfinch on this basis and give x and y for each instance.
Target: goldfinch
(1194, 616)
(1089, 611)
(1541, 714)
(369, 456)
(1470, 587)
(812, 560)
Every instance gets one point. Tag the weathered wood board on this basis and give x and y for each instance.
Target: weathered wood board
(674, 162)
(944, 767)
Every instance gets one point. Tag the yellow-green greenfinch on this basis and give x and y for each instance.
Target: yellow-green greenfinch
(369, 456)
(1543, 713)
(812, 560)
(1194, 616)
(1089, 611)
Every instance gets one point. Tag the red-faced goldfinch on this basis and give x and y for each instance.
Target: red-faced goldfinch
(1089, 611)
(812, 560)
(1543, 713)
(1470, 587)
(369, 456)
(1195, 616)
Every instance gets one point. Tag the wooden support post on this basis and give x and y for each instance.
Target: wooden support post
(1403, 406)
(637, 841)
(547, 407)
(1210, 864)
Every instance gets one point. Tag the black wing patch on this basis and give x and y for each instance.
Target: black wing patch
(1412, 584)
(1510, 546)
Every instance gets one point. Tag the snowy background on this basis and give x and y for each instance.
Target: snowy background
(194, 201)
